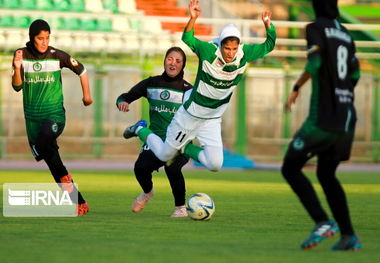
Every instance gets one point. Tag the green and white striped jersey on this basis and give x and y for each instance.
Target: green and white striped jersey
(216, 79)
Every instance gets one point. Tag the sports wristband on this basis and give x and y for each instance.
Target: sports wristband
(296, 87)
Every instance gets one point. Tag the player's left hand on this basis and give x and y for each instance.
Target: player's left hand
(266, 17)
(87, 101)
(291, 100)
(123, 106)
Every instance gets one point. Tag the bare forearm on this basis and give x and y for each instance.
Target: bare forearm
(190, 24)
(16, 77)
(87, 100)
(305, 76)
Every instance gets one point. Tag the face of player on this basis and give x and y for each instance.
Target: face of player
(41, 41)
(229, 50)
(173, 64)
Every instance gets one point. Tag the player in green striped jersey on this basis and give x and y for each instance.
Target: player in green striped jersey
(37, 72)
(221, 67)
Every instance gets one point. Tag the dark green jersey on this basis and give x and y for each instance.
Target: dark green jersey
(42, 83)
(335, 72)
(165, 97)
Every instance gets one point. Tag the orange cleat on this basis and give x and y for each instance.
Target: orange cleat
(67, 183)
(82, 209)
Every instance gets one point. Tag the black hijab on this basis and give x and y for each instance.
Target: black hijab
(326, 8)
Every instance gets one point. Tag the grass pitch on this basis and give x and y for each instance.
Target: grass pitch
(257, 219)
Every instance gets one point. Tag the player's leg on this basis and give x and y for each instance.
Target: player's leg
(304, 145)
(211, 152)
(145, 164)
(177, 183)
(160, 148)
(326, 171)
(46, 148)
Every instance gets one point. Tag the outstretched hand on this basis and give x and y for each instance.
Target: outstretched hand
(266, 17)
(291, 100)
(194, 9)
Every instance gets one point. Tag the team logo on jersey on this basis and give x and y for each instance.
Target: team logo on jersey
(54, 127)
(298, 144)
(165, 95)
(37, 66)
(73, 62)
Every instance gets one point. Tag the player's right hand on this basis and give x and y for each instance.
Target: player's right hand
(194, 8)
(123, 106)
(291, 100)
(17, 59)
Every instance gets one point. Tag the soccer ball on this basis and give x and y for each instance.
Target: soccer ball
(200, 206)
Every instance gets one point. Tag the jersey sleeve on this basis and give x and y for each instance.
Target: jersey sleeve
(255, 51)
(136, 92)
(354, 67)
(66, 61)
(315, 44)
(196, 45)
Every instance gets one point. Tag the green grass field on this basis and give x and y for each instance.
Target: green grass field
(257, 219)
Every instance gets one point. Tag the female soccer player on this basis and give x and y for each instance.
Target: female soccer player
(37, 72)
(164, 93)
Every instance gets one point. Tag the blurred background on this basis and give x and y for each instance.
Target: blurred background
(124, 41)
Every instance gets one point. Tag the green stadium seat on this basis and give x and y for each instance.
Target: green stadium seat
(89, 24)
(61, 5)
(104, 25)
(77, 5)
(27, 4)
(6, 21)
(72, 24)
(11, 4)
(110, 5)
(22, 21)
(44, 4)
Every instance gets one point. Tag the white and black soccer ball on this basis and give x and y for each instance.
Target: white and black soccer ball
(200, 206)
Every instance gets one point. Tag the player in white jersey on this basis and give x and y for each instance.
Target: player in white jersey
(222, 63)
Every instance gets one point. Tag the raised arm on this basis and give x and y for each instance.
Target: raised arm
(87, 100)
(194, 11)
(16, 75)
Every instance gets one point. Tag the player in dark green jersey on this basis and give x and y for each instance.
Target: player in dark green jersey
(329, 129)
(164, 93)
(37, 72)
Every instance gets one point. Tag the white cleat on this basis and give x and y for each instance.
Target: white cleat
(180, 211)
(140, 202)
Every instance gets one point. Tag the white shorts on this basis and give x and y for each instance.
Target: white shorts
(185, 127)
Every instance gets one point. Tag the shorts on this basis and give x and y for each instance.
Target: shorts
(185, 127)
(43, 132)
(311, 140)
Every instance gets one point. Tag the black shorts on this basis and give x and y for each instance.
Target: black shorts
(311, 140)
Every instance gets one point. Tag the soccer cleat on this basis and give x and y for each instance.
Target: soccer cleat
(348, 243)
(180, 211)
(82, 209)
(323, 230)
(67, 183)
(131, 130)
(140, 202)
